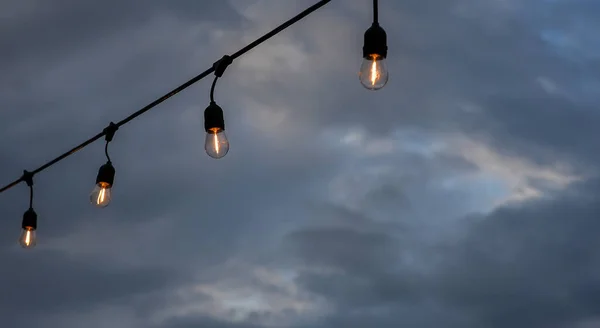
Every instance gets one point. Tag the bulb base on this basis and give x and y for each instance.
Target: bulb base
(213, 118)
(375, 42)
(106, 174)
(29, 220)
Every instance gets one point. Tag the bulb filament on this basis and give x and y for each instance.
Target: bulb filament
(28, 237)
(374, 72)
(216, 141)
(101, 196)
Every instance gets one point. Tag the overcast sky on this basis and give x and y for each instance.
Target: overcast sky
(462, 195)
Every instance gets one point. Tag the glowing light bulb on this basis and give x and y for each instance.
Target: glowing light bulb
(28, 237)
(216, 143)
(373, 73)
(101, 195)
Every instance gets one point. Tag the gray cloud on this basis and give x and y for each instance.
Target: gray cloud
(336, 206)
(205, 322)
(528, 266)
(47, 283)
(534, 266)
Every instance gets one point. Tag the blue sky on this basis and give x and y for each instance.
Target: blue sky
(463, 194)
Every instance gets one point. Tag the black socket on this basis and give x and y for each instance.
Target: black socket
(106, 174)
(375, 42)
(213, 118)
(29, 220)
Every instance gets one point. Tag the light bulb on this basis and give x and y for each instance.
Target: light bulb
(29, 225)
(101, 195)
(27, 238)
(216, 143)
(373, 73)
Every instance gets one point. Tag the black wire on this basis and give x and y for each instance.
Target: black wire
(30, 197)
(106, 152)
(212, 89)
(175, 91)
(375, 12)
(280, 28)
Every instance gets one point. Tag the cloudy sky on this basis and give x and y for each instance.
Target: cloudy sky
(462, 195)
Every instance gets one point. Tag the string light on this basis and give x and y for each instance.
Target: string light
(28, 237)
(373, 73)
(102, 193)
(216, 143)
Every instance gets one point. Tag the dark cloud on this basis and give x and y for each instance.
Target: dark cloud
(533, 265)
(204, 322)
(339, 202)
(47, 283)
(38, 33)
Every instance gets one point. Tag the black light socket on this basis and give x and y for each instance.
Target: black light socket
(213, 118)
(106, 174)
(29, 220)
(375, 42)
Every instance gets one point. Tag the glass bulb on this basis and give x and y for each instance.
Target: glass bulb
(27, 238)
(216, 144)
(373, 73)
(101, 195)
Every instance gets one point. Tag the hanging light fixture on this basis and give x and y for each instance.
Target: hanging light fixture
(28, 238)
(373, 73)
(216, 143)
(102, 193)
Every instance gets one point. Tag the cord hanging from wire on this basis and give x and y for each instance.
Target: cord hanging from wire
(212, 89)
(375, 12)
(219, 67)
(106, 152)
(28, 178)
(30, 196)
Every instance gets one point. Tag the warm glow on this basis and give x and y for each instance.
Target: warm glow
(374, 72)
(101, 198)
(216, 142)
(101, 195)
(28, 237)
